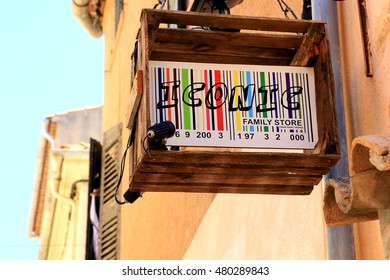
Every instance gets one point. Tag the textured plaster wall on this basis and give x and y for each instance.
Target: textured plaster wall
(262, 226)
(366, 99)
(267, 8)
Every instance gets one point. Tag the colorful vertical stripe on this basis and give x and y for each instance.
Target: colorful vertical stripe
(197, 97)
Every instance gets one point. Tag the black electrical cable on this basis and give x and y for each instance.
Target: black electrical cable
(130, 142)
(286, 9)
(146, 149)
(160, 2)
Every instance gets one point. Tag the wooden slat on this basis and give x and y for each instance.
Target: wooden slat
(247, 169)
(242, 158)
(227, 21)
(225, 50)
(231, 172)
(263, 40)
(220, 59)
(233, 178)
(152, 28)
(311, 41)
(135, 98)
(222, 188)
(144, 111)
(205, 46)
(325, 103)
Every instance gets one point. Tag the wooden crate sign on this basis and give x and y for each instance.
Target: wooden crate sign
(242, 106)
(252, 88)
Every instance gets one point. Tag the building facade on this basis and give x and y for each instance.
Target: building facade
(61, 204)
(179, 225)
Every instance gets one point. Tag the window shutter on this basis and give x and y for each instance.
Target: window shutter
(95, 169)
(109, 209)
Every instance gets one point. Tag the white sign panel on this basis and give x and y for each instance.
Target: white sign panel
(243, 106)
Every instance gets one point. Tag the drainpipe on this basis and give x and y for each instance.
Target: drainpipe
(58, 161)
(58, 158)
(79, 221)
(81, 12)
(341, 242)
(47, 136)
(55, 166)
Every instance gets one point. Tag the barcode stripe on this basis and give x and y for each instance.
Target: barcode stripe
(231, 114)
(306, 115)
(304, 104)
(160, 96)
(237, 113)
(218, 99)
(288, 85)
(234, 100)
(275, 97)
(310, 113)
(185, 89)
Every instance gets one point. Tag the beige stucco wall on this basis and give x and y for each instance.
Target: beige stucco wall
(206, 226)
(64, 225)
(366, 98)
(268, 8)
(262, 226)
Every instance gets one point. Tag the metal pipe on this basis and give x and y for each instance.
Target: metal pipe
(79, 219)
(81, 12)
(366, 38)
(341, 241)
(47, 136)
(57, 166)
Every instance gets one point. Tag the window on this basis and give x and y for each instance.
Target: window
(95, 168)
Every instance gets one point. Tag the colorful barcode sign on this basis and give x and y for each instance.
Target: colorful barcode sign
(239, 106)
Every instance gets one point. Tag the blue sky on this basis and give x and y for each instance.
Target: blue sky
(48, 64)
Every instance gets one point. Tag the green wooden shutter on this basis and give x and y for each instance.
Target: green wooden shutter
(109, 209)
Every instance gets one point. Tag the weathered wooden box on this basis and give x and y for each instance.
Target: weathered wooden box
(244, 42)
